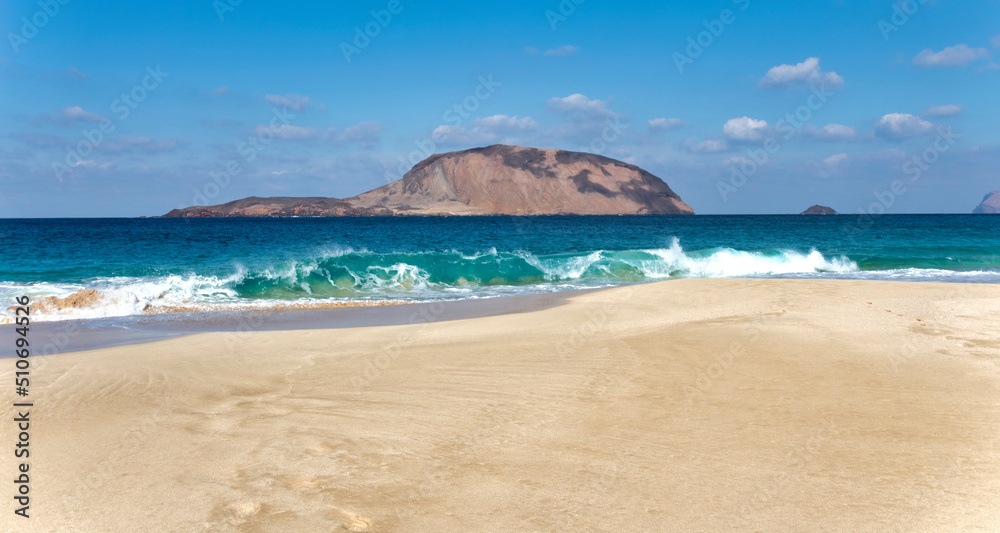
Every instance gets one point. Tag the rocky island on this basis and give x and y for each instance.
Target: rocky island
(495, 180)
(990, 204)
(819, 210)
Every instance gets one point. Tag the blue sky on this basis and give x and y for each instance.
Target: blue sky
(114, 109)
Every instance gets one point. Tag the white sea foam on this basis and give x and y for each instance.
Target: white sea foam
(345, 274)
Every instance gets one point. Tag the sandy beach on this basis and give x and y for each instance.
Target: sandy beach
(690, 405)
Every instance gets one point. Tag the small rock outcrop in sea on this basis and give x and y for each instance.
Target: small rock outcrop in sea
(990, 204)
(819, 210)
(496, 180)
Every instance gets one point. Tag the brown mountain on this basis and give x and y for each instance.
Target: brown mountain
(990, 205)
(278, 207)
(496, 180)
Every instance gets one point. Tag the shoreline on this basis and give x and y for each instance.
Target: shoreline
(702, 405)
(69, 336)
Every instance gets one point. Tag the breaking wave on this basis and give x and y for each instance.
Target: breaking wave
(366, 277)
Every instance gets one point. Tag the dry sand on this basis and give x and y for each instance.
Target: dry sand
(695, 405)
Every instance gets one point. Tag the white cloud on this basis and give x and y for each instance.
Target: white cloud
(78, 113)
(531, 50)
(221, 91)
(296, 102)
(566, 50)
(800, 76)
(745, 129)
(952, 56)
(944, 110)
(995, 41)
(835, 159)
(665, 124)
(833, 132)
(581, 106)
(901, 126)
(504, 124)
(708, 146)
(485, 130)
(367, 134)
(287, 131)
(587, 119)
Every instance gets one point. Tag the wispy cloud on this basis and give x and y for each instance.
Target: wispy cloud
(366, 134)
(830, 132)
(665, 124)
(566, 50)
(835, 159)
(497, 128)
(944, 110)
(287, 132)
(580, 106)
(708, 146)
(800, 76)
(295, 102)
(77, 113)
(952, 56)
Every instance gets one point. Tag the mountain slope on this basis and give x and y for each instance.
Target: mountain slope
(990, 204)
(496, 180)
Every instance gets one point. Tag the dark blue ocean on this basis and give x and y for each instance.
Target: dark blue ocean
(144, 266)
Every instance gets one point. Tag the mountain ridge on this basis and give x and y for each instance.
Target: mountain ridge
(492, 180)
(990, 204)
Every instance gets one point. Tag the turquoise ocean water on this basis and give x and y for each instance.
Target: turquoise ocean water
(149, 266)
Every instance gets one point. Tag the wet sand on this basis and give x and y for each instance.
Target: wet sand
(66, 336)
(690, 405)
